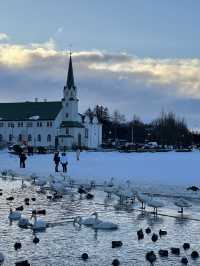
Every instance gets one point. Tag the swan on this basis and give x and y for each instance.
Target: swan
(41, 181)
(182, 203)
(87, 222)
(155, 204)
(14, 215)
(142, 198)
(39, 224)
(23, 222)
(103, 224)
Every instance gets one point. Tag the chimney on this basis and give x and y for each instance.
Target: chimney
(36, 100)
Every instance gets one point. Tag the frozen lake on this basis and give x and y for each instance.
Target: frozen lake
(63, 243)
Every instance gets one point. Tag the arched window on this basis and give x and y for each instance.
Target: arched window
(29, 137)
(1, 137)
(20, 137)
(39, 138)
(49, 138)
(10, 137)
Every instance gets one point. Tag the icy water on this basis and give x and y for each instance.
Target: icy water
(63, 243)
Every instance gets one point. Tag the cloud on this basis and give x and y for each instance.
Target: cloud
(120, 81)
(3, 36)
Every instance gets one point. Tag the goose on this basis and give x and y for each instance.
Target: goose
(39, 224)
(23, 222)
(14, 215)
(87, 222)
(103, 224)
(182, 203)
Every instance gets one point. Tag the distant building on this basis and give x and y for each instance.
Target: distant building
(50, 123)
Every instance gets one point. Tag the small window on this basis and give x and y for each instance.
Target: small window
(49, 138)
(20, 137)
(10, 137)
(39, 138)
(1, 137)
(86, 132)
(29, 137)
(20, 124)
(50, 124)
(67, 115)
(29, 124)
(1, 124)
(10, 124)
(39, 124)
(67, 131)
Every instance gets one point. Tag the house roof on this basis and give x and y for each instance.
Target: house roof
(23, 111)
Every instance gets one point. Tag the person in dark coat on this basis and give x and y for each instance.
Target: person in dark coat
(56, 160)
(22, 158)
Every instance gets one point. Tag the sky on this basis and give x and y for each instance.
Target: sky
(137, 56)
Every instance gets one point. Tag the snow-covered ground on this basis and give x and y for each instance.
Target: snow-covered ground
(145, 168)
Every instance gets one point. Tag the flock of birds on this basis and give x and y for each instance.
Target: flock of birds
(55, 187)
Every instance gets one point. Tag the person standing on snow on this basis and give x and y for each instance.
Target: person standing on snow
(22, 158)
(78, 152)
(64, 162)
(56, 160)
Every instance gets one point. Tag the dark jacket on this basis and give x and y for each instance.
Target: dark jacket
(56, 159)
(22, 157)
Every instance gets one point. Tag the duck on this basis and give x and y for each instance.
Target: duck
(1, 258)
(14, 215)
(182, 203)
(104, 225)
(20, 208)
(17, 245)
(39, 224)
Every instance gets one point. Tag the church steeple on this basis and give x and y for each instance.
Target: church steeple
(70, 75)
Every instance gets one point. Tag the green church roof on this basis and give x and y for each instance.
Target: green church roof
(23, 111)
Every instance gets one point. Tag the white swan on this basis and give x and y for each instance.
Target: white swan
(155, 204)
(39, 224)
(87, 222)
(23, 222)
(142, 198)
(14, 215)
(182, 203)
(41, 181)
(104, 225)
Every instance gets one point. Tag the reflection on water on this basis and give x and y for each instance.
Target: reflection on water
(63, 242)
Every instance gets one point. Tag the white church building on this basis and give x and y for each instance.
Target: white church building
(50, 124)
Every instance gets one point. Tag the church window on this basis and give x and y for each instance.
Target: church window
(29, 137)
(67, 131)
(20, 137)
(1, 137)
(39, 124)
(29, 124)
(86, 132)
(39, 138)
(10, 124)
(67, 115)
(10, 137)
(49, 138)
(20, 124)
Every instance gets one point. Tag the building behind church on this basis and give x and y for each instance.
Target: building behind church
(50, 124)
